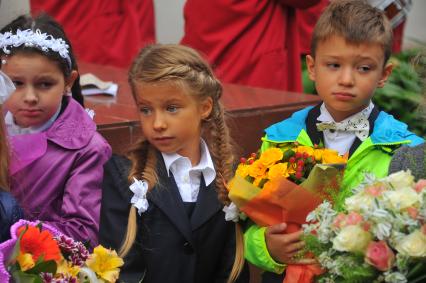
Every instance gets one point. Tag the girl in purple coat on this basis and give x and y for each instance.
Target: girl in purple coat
(57, 155)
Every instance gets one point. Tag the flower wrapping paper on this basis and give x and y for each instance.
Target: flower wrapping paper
(6, 247)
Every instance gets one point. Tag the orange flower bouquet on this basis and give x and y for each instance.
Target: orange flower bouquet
(38, 253)
(284, 184)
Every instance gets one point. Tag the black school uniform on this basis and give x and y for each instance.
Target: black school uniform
(176, 241)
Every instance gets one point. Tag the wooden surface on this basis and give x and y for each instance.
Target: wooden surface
(250, 110)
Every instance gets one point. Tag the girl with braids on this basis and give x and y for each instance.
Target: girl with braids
(57, 156)
(176, 229)
(10, 212)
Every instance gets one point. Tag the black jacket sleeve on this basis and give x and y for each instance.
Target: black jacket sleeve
(115, 209)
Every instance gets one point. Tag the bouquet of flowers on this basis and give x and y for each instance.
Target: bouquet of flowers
(284, 183)
(38, 253)
(379, 237)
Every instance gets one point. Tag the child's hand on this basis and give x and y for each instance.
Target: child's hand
(282, 247)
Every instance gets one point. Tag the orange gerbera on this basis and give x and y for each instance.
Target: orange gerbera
(39, 243)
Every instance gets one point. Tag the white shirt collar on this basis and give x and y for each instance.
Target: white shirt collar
(325, 116)
(13, 129)
(205, 165)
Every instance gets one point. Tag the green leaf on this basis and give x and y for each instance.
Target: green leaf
(418, 270)
(16, 248)
(287, 154)
(49, 266)
(22, 277)
(313, 245)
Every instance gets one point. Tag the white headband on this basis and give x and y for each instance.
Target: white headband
(29, 38)
(6, 87)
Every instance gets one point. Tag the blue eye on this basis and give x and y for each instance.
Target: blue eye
(333, 66)
(364, 68)
(45, 85)
(172, 108)
(145, 110)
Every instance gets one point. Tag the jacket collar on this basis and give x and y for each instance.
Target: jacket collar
(165, 195)
(386, 129)
(73, 129)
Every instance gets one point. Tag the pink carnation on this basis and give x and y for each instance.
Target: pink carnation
(375, 191)
(379, 255)
(353, 218)
(420, 185)
(338, 221)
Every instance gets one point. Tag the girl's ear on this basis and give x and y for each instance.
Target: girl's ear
(71, 79)
(310, 64)
(206, 107)
(387, 71)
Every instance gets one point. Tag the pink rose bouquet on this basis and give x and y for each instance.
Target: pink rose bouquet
(380, 236)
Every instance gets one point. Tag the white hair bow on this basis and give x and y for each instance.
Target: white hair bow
(139, 188)
(6, 87)
(231, 212)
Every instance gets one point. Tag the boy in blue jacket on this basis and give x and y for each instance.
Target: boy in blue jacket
(351, 45)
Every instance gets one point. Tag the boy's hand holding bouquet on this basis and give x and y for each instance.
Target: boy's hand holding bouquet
(284, 183)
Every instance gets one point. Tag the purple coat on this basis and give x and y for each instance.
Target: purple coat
(56, 175)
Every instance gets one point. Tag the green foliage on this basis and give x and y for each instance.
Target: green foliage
(313, 245)
(22, 277)
(404, 93)
(417, 273)
(352, 269)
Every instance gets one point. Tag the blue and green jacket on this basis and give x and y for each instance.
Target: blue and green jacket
(373, 155)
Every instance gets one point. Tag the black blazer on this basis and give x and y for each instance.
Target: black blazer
(171, 246)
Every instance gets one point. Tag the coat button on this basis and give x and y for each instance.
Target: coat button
(187, 248)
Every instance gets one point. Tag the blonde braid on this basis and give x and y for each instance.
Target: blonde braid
(144, 165)
(221, 151)
(223, 157)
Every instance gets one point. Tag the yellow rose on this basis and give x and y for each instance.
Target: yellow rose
(271, 156)
(302, 149)
(242, 170)
(257, 169)
(401, 179)
(352, 238)
(318, 154)
(359, 201)
(278, 170)
(403, 198)
(413, 245)
(330, 156)
(257, 181)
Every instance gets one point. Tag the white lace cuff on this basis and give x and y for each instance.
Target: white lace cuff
(139, 188)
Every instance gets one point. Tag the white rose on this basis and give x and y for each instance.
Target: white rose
(413, 245)
(359, 201)
(400, 179)
(352, 238)
(403, 198)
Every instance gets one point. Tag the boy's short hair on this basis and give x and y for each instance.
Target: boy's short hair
(355, 20)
